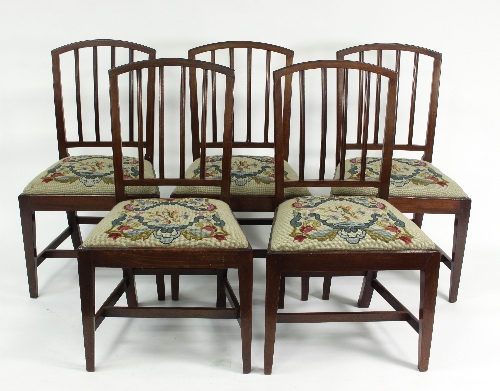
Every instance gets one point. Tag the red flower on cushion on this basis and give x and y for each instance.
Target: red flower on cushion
(209, 228)
(405, 239)
(124, 227)
(114, 235)
(306, 228)
(442, 184)
(380, 205)
(297, 204)
(220, 238)
(128, 207)
(211, 207)
(299, 238)
(393, 229)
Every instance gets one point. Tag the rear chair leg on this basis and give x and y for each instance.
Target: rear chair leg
(418, 219)
(273, 276)
(245, 276)
(131, 292)
(221, 290)
(428, 293)
(365, 296)
(86, 273)
(327, 283)
(174, 286)
(160, 286)
(76, 235)
(28, 227)
(457, 257)
(281, 302)
(304, 296)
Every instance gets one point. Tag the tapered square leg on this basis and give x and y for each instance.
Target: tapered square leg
(76, 235)
(131, 291)
(459, 238)
(327, 282)
(221, 290)
(28, 227)
(304, 295)
(281, 302)
(160, 286)
(428, 293)
(245, 276)
(273, 276)
(86, 273)
(366, 294)
(174, 286)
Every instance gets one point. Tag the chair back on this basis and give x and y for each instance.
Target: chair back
(416, 67)
(318, 149)
(260, 60)
(167, 81)
(76, 69)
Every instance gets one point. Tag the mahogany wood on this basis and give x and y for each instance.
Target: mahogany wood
(164, 260)
(280, 264)
(30, 204)
(419, 206)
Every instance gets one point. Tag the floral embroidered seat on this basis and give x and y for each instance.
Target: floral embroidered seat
(88, 174)
(344, 223)
(409, 178)
(250, 175)
(168, 222)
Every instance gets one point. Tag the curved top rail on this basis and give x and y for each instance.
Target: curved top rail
(171, 62)
(103, 42)
(335, 64)
(239, 45)
(389, 46)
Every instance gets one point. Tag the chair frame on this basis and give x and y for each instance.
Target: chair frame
(340, 262)
(156, 260)
(460, 207)
(30, 204)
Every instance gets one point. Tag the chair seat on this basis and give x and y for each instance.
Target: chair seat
(250, 176)
(357, 223)
(409, 178)
(88, 174)
(168, 222)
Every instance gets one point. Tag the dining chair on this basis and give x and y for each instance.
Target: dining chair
(165, 233)
(81, 182)
(343, 235)
(417, 186)
(252, 174)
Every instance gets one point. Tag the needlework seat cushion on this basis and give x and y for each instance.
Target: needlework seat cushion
(409, 178)
(357, 223)
(88, 174)
(168, 222)
(250, 176)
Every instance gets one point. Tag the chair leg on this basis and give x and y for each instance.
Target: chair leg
(221, 290)
(245, 276)
(304, 291)
(327, 283)
(86, 273)
(28, 227)
(273, 276)
(418, 219)
(459, 237)
(131, 292)
(76, 235)
(365, 296)
(281, 301)
(428, 292)
(174, 286)
(160, 286)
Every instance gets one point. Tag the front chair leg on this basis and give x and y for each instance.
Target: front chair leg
(245, 276)
(365, 296)
(86, 273)
(28, 227)
(281, 301)
(428, 292)
(273, 276)
(459, 237)
(130, 292)
(76, 235)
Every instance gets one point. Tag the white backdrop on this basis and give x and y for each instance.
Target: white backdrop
(40, 340)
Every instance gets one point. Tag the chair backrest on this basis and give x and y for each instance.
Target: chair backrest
(392, 56)
(314, 97)
(224, 53)
(163, 127)
(87, 91)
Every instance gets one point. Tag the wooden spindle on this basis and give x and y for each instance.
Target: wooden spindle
(376, 124)
(360, 99)
(203, 124)
(231, 65)
(366, 120)
(161, 119)
(345, 94)
(249, 95)
(214, 99)
(324, 97)
(302, 147)
(266, 98)
(131, 98)
(413, 99)
(397, 68)
(113, 56)
(96, 96)
(140, 124)
(78, 95)
(182, 122)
